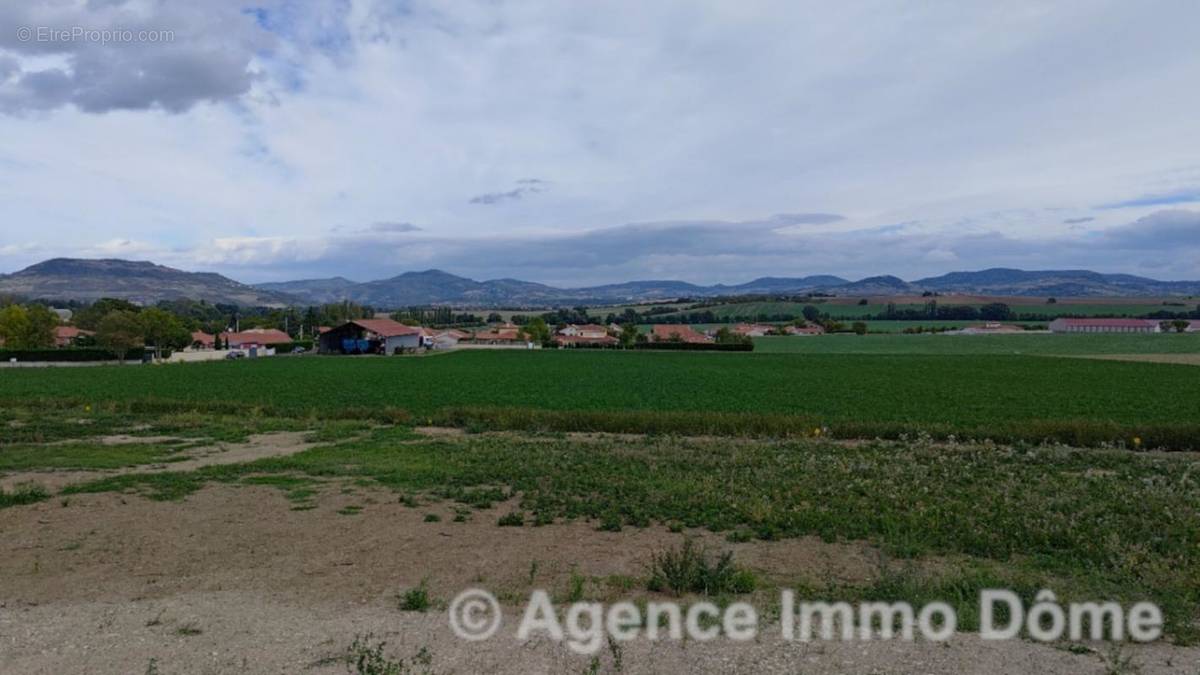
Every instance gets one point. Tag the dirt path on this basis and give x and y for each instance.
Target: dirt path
(275, 444)
(233, 579)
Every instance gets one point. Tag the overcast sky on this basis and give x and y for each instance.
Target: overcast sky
(586, 142)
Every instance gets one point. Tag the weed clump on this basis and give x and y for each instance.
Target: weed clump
(691, 569)
(366, 657)
(512, 519)
(415, 599)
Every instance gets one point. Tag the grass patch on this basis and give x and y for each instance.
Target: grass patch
(23, 494)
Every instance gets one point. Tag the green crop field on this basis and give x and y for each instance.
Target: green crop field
(842, 311)
(997, 396)
(1033, 344)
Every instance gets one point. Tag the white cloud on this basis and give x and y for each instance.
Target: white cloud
(965, 123)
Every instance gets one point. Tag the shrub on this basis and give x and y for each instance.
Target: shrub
(66, 354)
(689, 569)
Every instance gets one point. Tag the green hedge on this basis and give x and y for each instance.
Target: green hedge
(697, 346)
(66, 354)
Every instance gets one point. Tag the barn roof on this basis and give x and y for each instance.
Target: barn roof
(385, 327)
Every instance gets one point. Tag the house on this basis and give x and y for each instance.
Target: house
(253, 338)
(1105, 326)
(811, 329)
(370, 336)
(605, 340)
(202, 340)
(65, 336)
(448, 339)
(500, 335)
(990, 328)
(677, 333)
(588, 330)
(752, 330)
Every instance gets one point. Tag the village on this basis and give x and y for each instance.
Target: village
(385, 336)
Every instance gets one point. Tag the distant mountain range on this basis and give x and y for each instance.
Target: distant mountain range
(146, 282)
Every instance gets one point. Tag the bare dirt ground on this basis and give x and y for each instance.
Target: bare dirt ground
(1184, 359)
(233, 580)
(258, 446)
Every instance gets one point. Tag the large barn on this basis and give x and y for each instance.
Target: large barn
(1104, 326)
(370, 336)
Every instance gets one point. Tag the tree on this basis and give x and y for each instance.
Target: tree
(811, 313)
(629, 335)
(859, 328)
(1051, 301)
(89, 317)
(162, 329)
(1180, 325)
(496, 318)
(29, 327)
(119, 331)
(537, 331)
(996, 311)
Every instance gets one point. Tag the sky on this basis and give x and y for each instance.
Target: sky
(578, 143)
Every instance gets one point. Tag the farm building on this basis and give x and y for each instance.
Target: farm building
(677, 333)
(589, 330)
(370, 336)
(811, 329)
(1104, 326)
(253, 338)
(1193, 327)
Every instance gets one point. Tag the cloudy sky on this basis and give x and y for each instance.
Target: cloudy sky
(585, 142)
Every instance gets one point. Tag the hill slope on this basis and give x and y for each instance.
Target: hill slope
(137, 281)
(146, 282)
(1005, 281)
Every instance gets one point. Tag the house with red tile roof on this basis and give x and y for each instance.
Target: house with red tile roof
(586, 341)
(255, 337)
(202, 340)
(503, 334)
(669, 332)
(65, 336)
